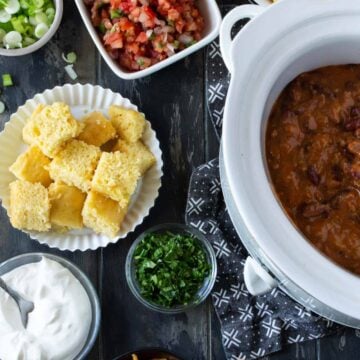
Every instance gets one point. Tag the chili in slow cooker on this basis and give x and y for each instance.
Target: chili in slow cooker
(313, 155)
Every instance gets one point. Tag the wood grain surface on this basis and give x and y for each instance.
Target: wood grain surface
(174, 101)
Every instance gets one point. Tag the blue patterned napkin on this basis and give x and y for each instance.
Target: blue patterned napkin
(251, 326)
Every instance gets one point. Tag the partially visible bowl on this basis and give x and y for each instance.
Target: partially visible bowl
(29, 258)
(41, 42)
(211, 13)
(204, 290)
(149, 354)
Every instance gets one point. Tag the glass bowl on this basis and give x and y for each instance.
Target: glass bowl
(29, 258)
(204, 290)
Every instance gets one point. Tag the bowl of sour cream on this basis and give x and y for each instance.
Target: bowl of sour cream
(66, 318)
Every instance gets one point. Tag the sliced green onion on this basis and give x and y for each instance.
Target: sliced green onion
(2, 34)
(38, 3)
(50, 13)
(41, 30)
(2, 107)
(4, 16)
(41, 18)
(12, 6)
(7, 80)
(71, 72)
(12, 40)
(28, 41)
(70, 58)
(32, 20)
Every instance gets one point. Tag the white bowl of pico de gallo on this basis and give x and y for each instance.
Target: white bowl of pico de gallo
(139, 37)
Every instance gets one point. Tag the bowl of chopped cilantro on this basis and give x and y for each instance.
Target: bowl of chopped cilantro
(171, 268)
(27, 25)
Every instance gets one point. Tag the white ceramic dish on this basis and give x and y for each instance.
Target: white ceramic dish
(41, 42)
(280, 42)
(81, 98)
(208, 9)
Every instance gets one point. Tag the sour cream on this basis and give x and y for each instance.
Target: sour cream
(59, 325)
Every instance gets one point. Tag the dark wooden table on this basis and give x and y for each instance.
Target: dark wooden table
(174, 102)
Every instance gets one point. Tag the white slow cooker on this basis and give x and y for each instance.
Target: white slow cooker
(280, 42)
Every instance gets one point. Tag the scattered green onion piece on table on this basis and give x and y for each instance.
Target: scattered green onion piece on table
(70, 58)
(170, 268)
(2, 107)
(7, 80)
(71, 72)
(41, 30)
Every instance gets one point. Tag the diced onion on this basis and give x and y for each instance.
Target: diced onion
(2, 107)
(158, 30)
(12, 40)
(185, 38)
(71, 72)
(4, 16)
(149, 33)
(12, 6)
(41, 30)
(143, 17)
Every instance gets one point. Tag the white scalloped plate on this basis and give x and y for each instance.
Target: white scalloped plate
(81, 99)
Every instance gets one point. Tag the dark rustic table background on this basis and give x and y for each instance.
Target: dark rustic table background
(174, 100)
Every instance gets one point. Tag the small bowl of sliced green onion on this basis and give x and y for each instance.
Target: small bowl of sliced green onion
(27, 25)
(171, 268)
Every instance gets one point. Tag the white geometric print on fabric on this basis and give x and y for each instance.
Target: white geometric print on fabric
(251, 326)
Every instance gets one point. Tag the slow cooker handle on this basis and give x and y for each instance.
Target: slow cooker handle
(257, 280)
(235, 15)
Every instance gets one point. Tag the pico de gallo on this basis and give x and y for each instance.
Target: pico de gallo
(140, 33)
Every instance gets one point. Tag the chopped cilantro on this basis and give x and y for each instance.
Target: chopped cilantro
(170, 268)
(116, 13)
(140, 62)
(102, 28)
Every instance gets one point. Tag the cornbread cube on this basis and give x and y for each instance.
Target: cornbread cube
(75, 164)
(98, 129)
(50, 126)
(138, 153)
(102, 214)
(32, 166)
(129, 124)
(66, 206)
(29, 206)
(116, 176)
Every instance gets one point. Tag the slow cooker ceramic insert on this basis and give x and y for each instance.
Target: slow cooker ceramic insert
(279, 43)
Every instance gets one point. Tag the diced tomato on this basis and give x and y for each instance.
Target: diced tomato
(144, 32)
(110, 38)
(150, 13)
(142, 38)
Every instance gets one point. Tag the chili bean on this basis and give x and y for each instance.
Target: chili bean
(353, 121)
(315, 210)
(313, 175)
(337, 172)
(354, 147)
